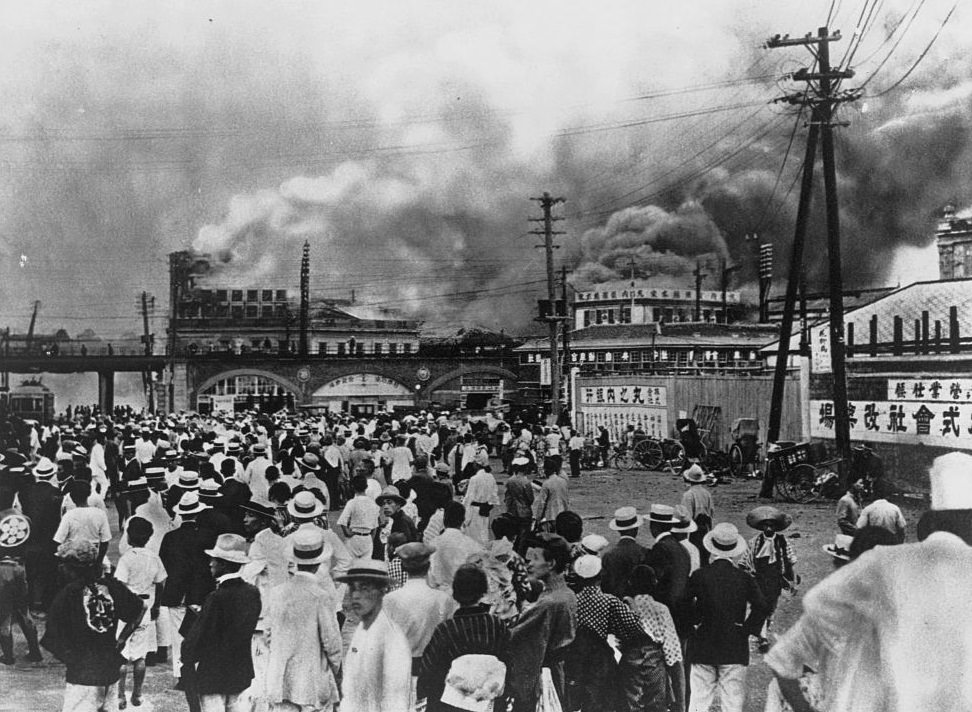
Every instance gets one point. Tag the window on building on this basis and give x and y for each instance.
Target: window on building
(610, 316)
(281, 310)
(237, 312)
(625, 317)
(407, 348)
(251, 295)
(359, 349)
(207, 311)
(393, 348)
(322, 348)
(267, 295)
(237, 295)
(378, 346)
(252, 311)
(601, 357)
(281, 295)
(341, 348)
(587, 317)
(267, 311)
(221, 295)
(222, 310)
(255, 344)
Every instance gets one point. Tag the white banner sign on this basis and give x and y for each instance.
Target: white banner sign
(935, 390)
(654, 421)
(545, 372)
(819, 349)
(224, 404)
(912, 423)
(621, 395)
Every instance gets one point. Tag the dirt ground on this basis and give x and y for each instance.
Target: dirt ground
(38, 687)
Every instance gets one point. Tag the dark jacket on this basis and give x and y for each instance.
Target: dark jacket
(91, 657)
(219, 641)
(617, 562)
(720, 593)
(672, 565)
(183, 553)
(41, 502)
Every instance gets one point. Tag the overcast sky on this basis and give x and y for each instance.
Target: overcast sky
(404, 140)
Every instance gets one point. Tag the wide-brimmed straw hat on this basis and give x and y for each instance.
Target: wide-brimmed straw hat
(390, 492)
(764, 514)
(695, 475)
(229, 547)
(365, 570)
(44, 469)
(840, 549)
(305, 505)
(190, 504)
(309, 461)
(724, 541)
(626, 518)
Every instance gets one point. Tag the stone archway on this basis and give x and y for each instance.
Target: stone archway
(212, 381)
(437, 383)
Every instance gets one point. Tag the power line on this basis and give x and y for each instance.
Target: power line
(920, 57)
(779, 174)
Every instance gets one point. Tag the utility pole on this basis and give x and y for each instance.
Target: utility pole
(305, 299)
(564, 331)
(822, 99)
(631, 264)
(546, 204)
(147, 303)
(726, 270)
(699, 276)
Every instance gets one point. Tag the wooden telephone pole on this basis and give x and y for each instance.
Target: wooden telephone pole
(551, 314)
(822, 98)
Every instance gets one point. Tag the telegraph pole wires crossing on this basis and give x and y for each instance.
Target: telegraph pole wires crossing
(822, 98)
(552, 312)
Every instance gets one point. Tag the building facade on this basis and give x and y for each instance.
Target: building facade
(644, 303)
(954, 239)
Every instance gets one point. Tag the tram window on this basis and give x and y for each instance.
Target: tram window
(406, 348)
(377, 347)
(322, 347)
(393, 348)
(341, 348)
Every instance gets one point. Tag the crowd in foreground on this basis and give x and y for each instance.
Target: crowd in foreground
(230, 569)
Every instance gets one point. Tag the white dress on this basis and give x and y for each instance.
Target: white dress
(480, 491)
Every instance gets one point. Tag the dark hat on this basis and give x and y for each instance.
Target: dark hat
(264, 510)
(765, 514)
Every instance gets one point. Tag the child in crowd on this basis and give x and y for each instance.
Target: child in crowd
(141, 570)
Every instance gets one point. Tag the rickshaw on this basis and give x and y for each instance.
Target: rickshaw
(744, 452)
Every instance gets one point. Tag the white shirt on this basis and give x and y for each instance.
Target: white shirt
(144, 451)
(140, 569)
(84, 524)
(377, 669)
(360, 515)
(417, 609)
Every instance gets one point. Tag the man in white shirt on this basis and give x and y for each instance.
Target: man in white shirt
(884, 514)
(575, 447)
(401, 459)
(416, 607)
(359, 519)
(378, 666)
(255, 474)
(84, 522)
(144, 447)
(452, 548)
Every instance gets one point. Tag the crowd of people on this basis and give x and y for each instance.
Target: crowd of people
(248, 545)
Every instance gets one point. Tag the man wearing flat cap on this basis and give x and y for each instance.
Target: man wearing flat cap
(219, 641)
(378, 663)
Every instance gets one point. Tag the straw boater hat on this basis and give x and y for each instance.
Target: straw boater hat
(684, 524)
(188, 479)
(308, 545)
(840, 549)
(390, 492)
(305, 505)
(626, 518)
(309, 461)
(229, 547)
(594, 544)
(365, 570)
(588, 566)
(190, 504)
(137, 485)
(694, 475)
(661, 514)
(724, 541)
(209, 489)
(44, 469)
(234, 447)
(154, 473)
(764, 514)
(259, 449)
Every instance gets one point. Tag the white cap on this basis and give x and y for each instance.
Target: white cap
(587, 566)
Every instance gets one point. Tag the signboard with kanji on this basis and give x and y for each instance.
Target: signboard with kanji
(623, 395)
(819, 349)
(946, 424)
(654, 421)
(936, 390)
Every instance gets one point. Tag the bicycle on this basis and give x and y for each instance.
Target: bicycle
(655, 453)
